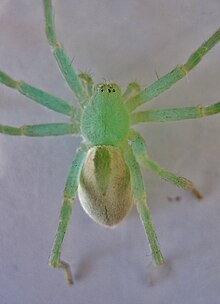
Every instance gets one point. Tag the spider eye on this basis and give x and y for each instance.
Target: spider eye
(107, 88)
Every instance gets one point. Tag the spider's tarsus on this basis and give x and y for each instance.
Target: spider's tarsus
(197, 194)
(68, 275)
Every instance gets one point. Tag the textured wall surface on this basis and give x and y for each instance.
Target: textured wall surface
(122, 41)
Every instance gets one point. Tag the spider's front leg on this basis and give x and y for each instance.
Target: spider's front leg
(140, 152)
(61, 57)
(140, 199)
(66, 209)
(166, 81)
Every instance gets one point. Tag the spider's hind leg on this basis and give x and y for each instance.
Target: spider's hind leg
(140, 152)
(65, 212)
(140, 198)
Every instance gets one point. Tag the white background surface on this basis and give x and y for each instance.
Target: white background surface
(121, 41)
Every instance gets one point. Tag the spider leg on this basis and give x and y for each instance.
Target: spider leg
(140, 199)
(51, 102)
(50, 129)
(87, 82)
(140, 152)
(174, 114)
(132, 89)
(66, 209)
(166, 81)
(62, 59)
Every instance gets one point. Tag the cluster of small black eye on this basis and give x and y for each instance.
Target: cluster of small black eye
(113, 90)
(109, 90)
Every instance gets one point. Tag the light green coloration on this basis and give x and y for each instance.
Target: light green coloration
(60, 55)
(48, 101)
(105, 120)
(137, 188)
(140, 153)
(53, 129)
(106, 167)
(66, 209)
(172, 77)
(41, 97)
(175, 114)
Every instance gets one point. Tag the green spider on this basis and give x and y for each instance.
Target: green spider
(106, 167)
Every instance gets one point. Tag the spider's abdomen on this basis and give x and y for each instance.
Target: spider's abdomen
(104, 187)
(105, 120)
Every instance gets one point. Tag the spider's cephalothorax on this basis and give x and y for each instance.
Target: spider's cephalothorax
(105, 119)
(106, 167)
